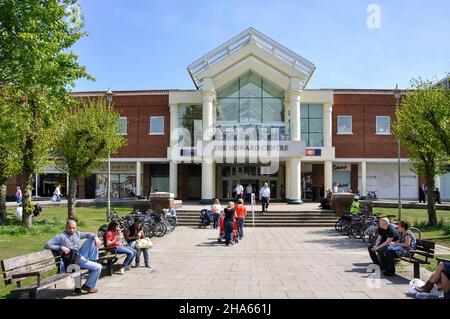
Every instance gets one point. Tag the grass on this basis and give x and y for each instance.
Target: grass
(15, 240)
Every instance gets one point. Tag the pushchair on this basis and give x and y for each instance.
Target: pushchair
(222, 231)
(205, 218)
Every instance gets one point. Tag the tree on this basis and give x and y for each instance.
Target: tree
(37, 65)
(423, 128)
(9, 145)
(87, 135)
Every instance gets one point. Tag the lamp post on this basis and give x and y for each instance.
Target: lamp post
(397, 94)
(109, 97)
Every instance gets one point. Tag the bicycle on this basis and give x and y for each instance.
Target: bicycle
(372, 195)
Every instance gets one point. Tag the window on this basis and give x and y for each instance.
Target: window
(311, 122)
(157, 125)
(190, 118)
(250, 99)
(123, 123)
(383, 125)
(344, 124)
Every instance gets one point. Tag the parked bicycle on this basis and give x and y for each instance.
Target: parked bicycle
(372, 195)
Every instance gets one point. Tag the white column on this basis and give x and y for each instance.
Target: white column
(437, 182)
(208, 99)
(295, 174)
(363, 178)
(173, 178)
(138, 178)
(327, 125)
(287, 180)
(36, 188)
(173, 166)
(328, 175)
(295, 163)
(207, 163)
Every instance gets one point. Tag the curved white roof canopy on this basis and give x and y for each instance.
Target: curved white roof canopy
(292, 60)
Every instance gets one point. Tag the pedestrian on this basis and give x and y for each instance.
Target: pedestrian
(241, 213)
(437, 193)
(215, 208)
(239, 191)
(68, 245)
(230, 216)
(18, 195)
(264, 196)
(282, 193)
(248, 192)
(57, 194)
(422, 195)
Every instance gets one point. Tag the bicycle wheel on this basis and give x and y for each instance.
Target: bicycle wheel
(416, 232)
(370, 235)
(160, 229)
(338, 226)
(148, 230)
(172, 223)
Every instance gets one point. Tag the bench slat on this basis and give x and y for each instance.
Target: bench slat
(20, 261)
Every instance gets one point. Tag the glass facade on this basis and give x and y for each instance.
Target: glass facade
(250, 99)
(190, 118)
(122, 185)
(311, 116)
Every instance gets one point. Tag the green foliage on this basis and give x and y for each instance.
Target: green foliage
(88, 133)
(423, 126)
(37, 68)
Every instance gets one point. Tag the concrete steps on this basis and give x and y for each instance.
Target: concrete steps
(273, 219)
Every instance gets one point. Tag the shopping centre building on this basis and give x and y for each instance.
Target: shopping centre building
(251, 119)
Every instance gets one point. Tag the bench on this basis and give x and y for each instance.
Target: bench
(107, 258)
(424, 248)
(34, 265)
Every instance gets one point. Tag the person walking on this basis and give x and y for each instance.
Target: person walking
(18, 195)
(215, 208)
(248, 192)
(422, 194)
(437, 194)
(264, 196)
(241, 213)
(57, 193)
(230, 215)
(239, 191)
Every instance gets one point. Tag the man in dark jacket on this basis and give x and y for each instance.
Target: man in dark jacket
(422, 194)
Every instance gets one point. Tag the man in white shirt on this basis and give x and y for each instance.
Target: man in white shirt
(239, 191)
(264, 196)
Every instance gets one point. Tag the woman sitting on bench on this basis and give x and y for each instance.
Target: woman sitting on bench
(402, 248)
(113, 240)
(441, 277)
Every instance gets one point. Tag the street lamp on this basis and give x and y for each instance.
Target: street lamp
(397, 94)
(109, 97)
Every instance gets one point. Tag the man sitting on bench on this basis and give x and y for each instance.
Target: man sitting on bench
(67, 243)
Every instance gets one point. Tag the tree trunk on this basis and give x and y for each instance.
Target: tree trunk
(431, 200)
(3, 200)
(71, 198)
(27, 200)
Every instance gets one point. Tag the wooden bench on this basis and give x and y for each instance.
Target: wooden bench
(424, 250)
(34, 265)
(107, 258)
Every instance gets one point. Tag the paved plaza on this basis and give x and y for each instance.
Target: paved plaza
(268, 263)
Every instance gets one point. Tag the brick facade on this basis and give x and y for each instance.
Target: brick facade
(364, 143)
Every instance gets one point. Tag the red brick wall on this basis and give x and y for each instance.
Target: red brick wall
(138, 109)
(364, 143)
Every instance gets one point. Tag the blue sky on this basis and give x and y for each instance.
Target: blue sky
(147, 44)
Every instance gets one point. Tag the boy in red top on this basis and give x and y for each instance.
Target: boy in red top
(241, 213)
